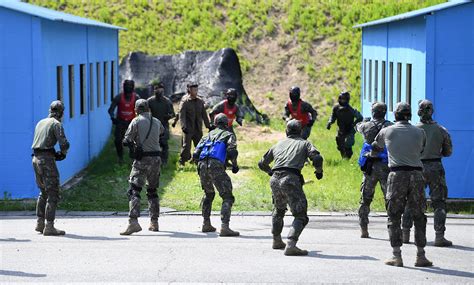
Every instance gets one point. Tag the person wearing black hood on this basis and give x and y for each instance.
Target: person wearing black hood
(300, 110)
(125, 103)
(229, 108)
(346, 117)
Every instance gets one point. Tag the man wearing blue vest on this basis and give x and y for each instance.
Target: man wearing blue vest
(374, 164)
(211, 154)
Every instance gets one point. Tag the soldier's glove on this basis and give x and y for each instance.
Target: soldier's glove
(239, 122)
(319, 175)
(58, 156)
(270, 173)
(235, 169)
(328, 126)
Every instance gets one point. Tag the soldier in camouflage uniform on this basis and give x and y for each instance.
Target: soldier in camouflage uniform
(287, 182)
(162, 109)
(143, 139)
(375, 166)
(438, 145)
(48, 132)
(405, 144)
(210, 160)
(346, 117)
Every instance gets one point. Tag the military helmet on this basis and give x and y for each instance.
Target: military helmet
(156, 82)
(221, 120)
(129, 82)
(230, 91)
(425, 108)
(56, 107)
(293, 127)
(379, 109)
(295, 93)
(402, 112)
(141, 105)
(345, 95)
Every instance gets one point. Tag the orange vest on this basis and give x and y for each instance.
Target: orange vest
(297, 114)
(230, 112)
(126, 109)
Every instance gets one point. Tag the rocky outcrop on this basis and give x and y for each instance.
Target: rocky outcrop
(213, 71)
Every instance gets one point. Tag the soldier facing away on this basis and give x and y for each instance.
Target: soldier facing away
(438, 145)
(162, 109)
(143, 139)
(287, 182)
(125, 104)
(48, 132)
(229, 108)
(192, 114)
(211, 153)
(346, 117)
(300, 110)
(373, 163)
(405, 144)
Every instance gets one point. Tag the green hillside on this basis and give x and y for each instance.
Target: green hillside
(304, 42)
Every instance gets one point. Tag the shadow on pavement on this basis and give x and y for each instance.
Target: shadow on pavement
(382, 239)
(461, 247)
(342, 257)
(442, 271)
(73, 236)
(20, 273)
(181, 235)
(14, 240)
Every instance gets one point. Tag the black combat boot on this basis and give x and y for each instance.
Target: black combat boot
(441, 241)
(227, 232)
(292, 250)
(278, 242)
(40, 225)
(207, 227)
(154, 227)
(364, 232)
(50, 230)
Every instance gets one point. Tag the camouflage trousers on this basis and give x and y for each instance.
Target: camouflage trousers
(367, 189)
(434, 177)
(212, 174)
(145, 172)
(288, 190)
(186, 141)
(119, 133)
(47, 179)
(344, 142)
(405, 188)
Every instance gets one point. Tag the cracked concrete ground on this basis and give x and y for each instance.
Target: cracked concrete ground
(93, 251)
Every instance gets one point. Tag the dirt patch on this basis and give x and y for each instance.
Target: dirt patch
(257, 133)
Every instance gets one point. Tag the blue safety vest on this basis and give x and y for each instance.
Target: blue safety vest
(213, 149)
(366, 148)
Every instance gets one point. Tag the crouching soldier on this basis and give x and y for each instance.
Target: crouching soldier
(143, 139)
(211, 153)
(374, 164)
(287, 182)
(48, 132)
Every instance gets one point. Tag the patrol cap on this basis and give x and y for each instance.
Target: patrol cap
(141, 105)
(221, 120)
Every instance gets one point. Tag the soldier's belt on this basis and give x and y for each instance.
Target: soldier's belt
(288, 169)
(39, 151)
(151, 153)
(431, 160)
(405, 168)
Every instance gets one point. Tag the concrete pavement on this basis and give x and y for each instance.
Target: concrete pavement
(93, 251)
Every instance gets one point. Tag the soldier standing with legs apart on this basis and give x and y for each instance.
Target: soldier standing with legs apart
(300, 110)
(143, 139)
(287, 182)
(125, 104)
(211, 153)
(229, 108)
(405, 144)
(162, 109)
(192, 113)
(438, 145)
(48, 132)
(372, 163)
(346, 117)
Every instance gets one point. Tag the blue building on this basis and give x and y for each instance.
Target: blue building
(427, 53)
(47, 55)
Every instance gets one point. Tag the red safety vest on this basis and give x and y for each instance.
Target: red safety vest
(230, 112)
(297, 114)
(126, 109)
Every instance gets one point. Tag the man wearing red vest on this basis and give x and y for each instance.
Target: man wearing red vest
(125, 103)
(300, 110)
(229, 108)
